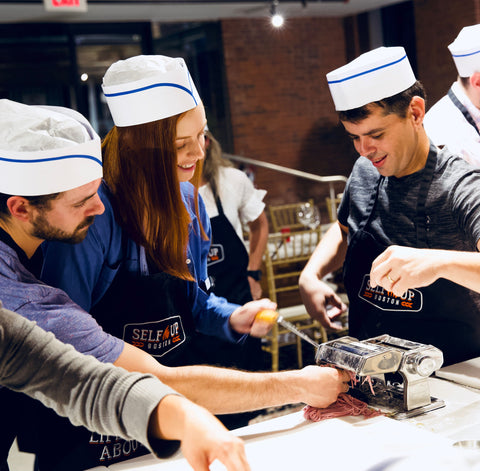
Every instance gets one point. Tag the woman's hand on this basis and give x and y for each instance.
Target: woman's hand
(243, 319)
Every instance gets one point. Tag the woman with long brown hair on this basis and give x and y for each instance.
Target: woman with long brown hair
(147, 253)
(140, 268)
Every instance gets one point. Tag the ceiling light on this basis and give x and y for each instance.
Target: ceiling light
(275, 17)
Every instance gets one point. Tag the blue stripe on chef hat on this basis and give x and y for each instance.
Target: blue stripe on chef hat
(46, 149)
(373, 76)
(369, 71)
(155, 85)
(465, 55)
(49, 159)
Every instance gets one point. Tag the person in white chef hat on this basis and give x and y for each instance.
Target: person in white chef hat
(408, 228)
(150, 155)
(50, 170)
(51, 157)
(454, 121)
(46, 151)
(140, 268)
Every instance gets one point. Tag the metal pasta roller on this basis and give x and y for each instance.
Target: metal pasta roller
(396, 371)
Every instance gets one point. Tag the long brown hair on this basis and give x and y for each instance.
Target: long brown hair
(140, 168)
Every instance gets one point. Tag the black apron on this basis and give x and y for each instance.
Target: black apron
(228, 260)
(152, 312)
(442, 314)
(13, 408)
(462, 109)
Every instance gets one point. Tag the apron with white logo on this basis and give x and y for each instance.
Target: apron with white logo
(153, 313)
(442, 314)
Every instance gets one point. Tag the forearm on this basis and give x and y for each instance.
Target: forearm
(258, 241)
(222, 390)
(96, 395)
(219, 390)
(329, 254)
(460, 267)
(170, 419)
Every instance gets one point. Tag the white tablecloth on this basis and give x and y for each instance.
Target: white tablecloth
(290, 443)
(466, 373)
(295, 243)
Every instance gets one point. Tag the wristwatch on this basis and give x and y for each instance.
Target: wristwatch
(255, 274)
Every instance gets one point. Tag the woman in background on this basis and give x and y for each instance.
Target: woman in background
(232, 202)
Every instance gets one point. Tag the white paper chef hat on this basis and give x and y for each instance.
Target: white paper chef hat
(46, 149)
(143, 89)
(465, 51)
(373, 76)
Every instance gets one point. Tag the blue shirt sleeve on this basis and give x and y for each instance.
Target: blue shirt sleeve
(54, 311)
(212, 314)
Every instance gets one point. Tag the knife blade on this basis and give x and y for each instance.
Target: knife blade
(289, 326)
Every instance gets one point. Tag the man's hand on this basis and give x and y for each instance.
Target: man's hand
(243, 320)
(317, 295)
(398, 269)
(321, 385)
(203, 437)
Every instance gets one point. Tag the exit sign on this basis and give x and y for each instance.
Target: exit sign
(65, 5)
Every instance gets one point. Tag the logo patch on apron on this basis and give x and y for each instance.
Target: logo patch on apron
(157, 337)
(215, 254)
(411, 301)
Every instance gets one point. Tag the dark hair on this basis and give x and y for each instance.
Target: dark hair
(40, 202)
(465, 81)
(396, 104)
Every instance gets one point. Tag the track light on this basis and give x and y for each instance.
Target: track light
(275, 17)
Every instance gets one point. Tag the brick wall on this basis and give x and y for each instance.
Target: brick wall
(280, 106)
(437, 23)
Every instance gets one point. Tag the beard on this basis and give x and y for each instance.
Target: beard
(42, 229)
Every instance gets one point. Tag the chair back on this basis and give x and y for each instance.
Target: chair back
(285, 258)
(332, 207)
(285, 216)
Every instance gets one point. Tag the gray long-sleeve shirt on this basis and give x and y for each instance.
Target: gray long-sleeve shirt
(99, 396)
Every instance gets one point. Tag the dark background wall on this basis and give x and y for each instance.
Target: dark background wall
(280, 107)
(265, 90)
(437, 23)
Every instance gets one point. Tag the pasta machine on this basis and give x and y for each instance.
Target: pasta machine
(392, 373)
